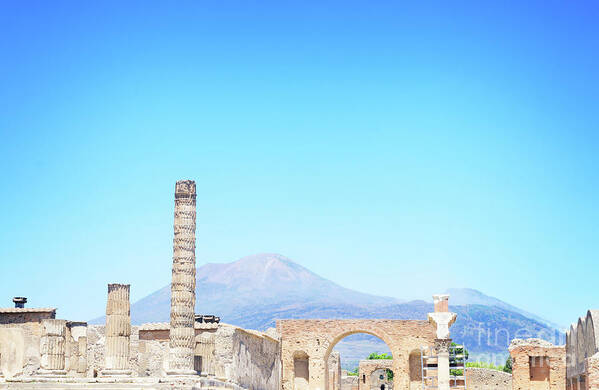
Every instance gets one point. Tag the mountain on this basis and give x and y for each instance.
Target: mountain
(469, 296)
(254, 291)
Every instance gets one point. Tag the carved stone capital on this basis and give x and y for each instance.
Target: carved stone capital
(442, 345)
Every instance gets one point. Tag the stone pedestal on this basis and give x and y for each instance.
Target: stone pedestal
(118, 331)
(182, 332)
(52, 347)
(442, 349)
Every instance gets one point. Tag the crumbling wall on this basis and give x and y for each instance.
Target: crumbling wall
(316, 338)
(528, 359)
(583, 353)
(486, 379)
(250, 359)
(20, 333)
(334, 365)
(256, 361)
(96, 340)
(349, 382)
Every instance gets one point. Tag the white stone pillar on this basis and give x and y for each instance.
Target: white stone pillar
(52, 347)
(442, 318)
(442, 349)
(118, 331)
(182, 332)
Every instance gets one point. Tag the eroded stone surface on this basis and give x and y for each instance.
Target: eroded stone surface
(181, 352)
(316, 339)
(537, 364)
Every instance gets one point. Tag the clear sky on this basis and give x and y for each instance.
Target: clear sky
(389, 147)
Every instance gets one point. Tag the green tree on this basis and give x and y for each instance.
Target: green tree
(375, 356)
(508, 365)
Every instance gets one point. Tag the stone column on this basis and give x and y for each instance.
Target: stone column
(442, 318)
(182, 332)
(79, 355)
(442, 349)
(118, 330)
(52, 347)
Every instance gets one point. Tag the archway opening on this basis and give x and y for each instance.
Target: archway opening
(357, 362)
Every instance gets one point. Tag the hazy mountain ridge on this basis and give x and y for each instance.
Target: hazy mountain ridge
(255, 290)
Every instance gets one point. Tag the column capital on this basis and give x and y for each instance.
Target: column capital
(442, 345)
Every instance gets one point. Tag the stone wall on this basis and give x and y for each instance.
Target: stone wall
(256, 361)
(316, 339)
(582, 352)
(349, 382)
(20, 333)
(334, 365)
(369, 372)
(537, 365)
(486, 379)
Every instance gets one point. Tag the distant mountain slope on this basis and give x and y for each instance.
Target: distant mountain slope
(469, 296)
(255, 290)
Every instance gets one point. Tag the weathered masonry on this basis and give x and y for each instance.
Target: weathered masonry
(367, 369)
(307, 344)
(582, 365)
(537, 364)
(192, 351)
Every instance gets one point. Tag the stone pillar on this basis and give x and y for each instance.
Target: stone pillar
(52, 347)
(79, 355)
(118, 330)
(442, 349)
(442, 318)
(182, 332)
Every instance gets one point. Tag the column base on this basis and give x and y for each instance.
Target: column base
(116, 372)
(182, 372)
(50, 373)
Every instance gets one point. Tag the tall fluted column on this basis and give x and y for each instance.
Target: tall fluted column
(118, 330)
(182, 331)
(52, 347)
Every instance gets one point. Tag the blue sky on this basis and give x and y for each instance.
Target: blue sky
(388, 147)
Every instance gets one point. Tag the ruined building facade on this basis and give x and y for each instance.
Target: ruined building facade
(38, 350)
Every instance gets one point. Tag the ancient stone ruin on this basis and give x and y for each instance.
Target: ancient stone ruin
(194, 351)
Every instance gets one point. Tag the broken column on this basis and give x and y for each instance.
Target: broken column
(118, 330)
(442, 318)
(182, 332)
(52, 347)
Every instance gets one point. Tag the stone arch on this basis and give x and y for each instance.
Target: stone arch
(568, 349)
(573, 348)
(589, 335)
(318, 337)
(351, 330)
(580, 349)
(368, 367)
(343, 334)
